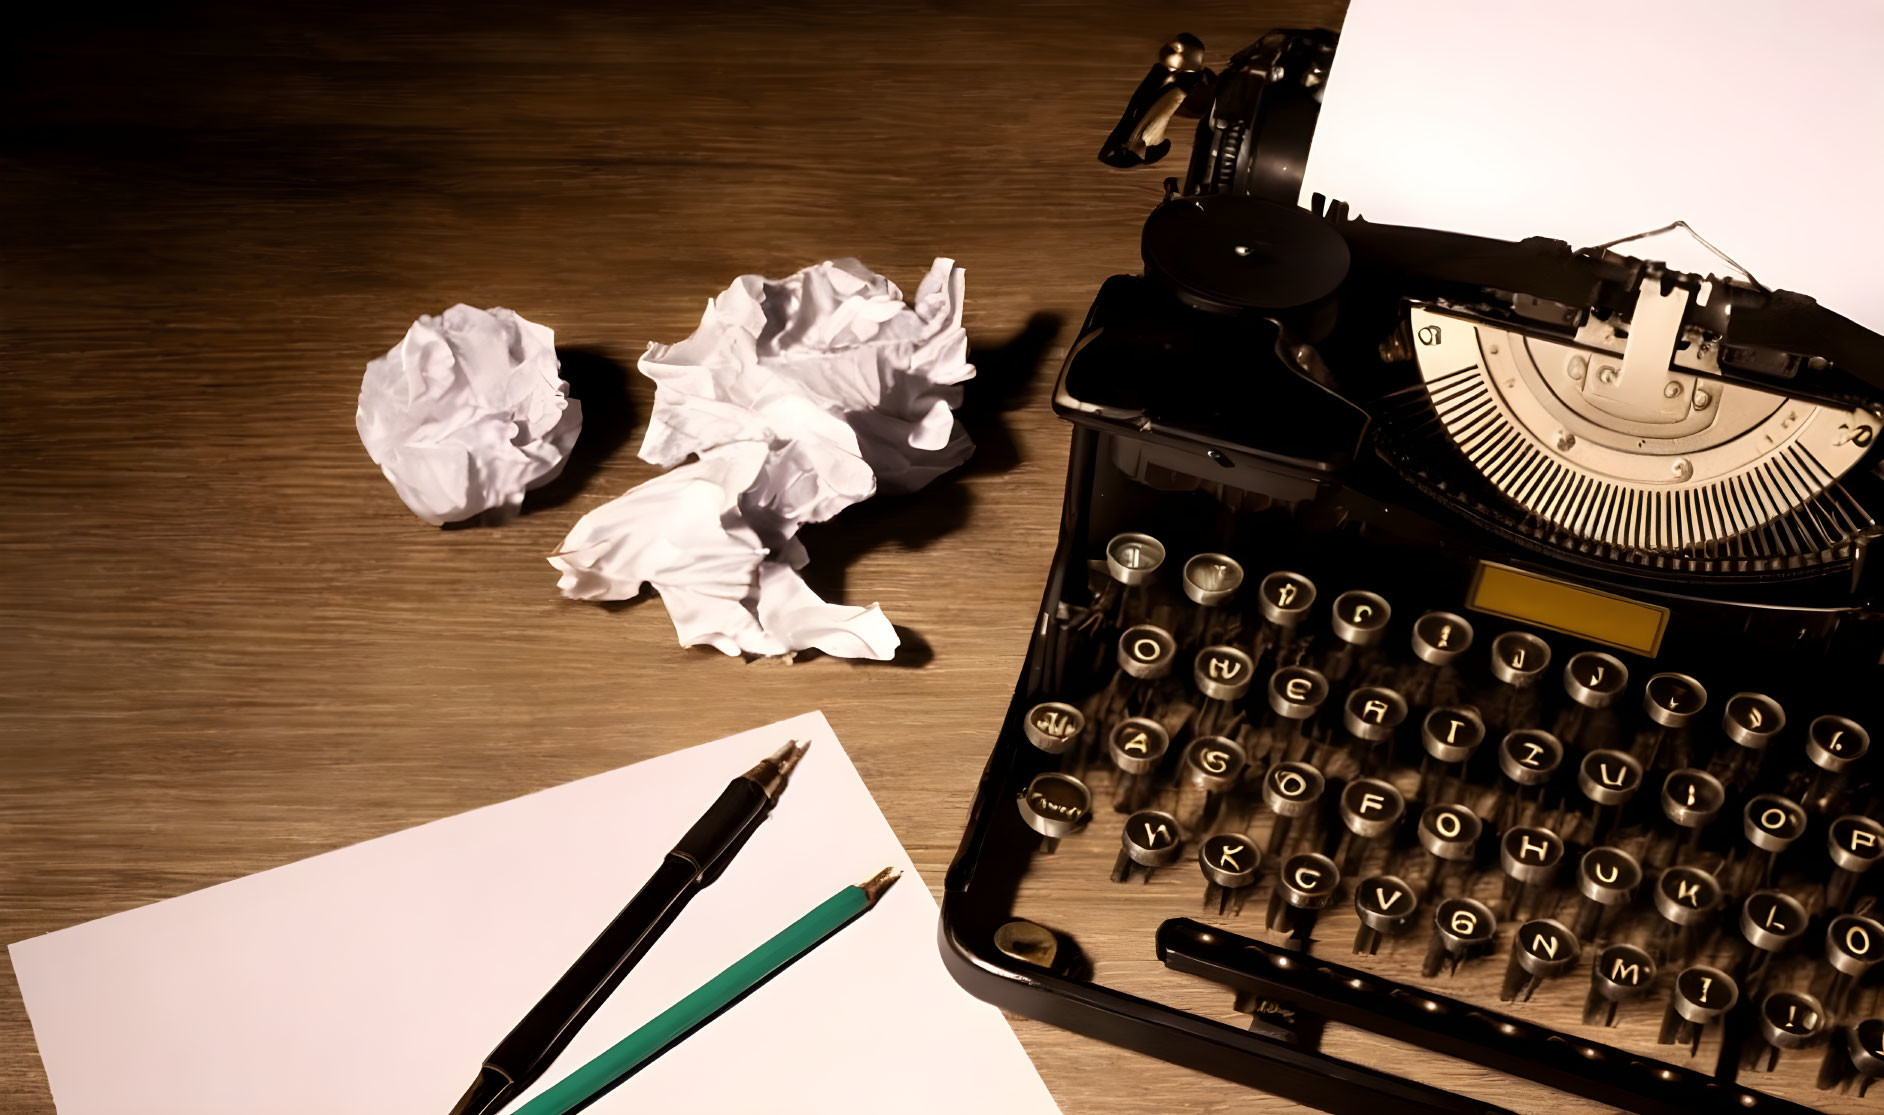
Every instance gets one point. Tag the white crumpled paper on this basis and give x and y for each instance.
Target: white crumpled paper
(467, 413)
(797, 398)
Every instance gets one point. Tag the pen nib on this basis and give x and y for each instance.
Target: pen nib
(875, 885)
(772, 770)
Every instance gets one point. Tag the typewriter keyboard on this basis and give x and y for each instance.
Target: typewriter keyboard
(1670, 861)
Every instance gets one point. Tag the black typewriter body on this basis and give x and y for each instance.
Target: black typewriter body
(1424, 670)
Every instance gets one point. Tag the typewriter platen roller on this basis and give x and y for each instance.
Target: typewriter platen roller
(1456, 647)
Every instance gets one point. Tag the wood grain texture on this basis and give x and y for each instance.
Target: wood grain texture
(225, 645)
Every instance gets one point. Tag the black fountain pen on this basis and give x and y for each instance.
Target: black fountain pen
(695, 862)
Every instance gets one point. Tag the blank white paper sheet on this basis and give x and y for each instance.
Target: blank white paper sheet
(1761, 125)
(376, 978)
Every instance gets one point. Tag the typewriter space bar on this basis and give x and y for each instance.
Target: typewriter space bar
(1317, 989)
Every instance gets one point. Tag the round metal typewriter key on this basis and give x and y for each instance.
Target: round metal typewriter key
(1692, 798)
(1530, 858)
(1230, 862)
(1673, 700)
(1529, 759)
(1462, 928)
(1519, 658)
(1286, 598)
(1052, 726)
(1371, 715)
(1594, 679)
(1291, 790)
(1855, 843)
(1449, 833)
(1212, 766)
(1305, 886)
(1223, 673)
(1770, 921)
(1606, 877)
(1621, 972)
(1212, 579)
(1028, 943)
(1751, 720)
(1296, 694)
(1370, 808)
(1150, 839)
(1609, 779)
(1146, 651)
(1054, 804)
(1360, 618)
(1857, 1048)
(1701, 996)
(1853, 944)
(1439, 638)
(1133, 559)
(1788, 1020)
(1449, 737)
(1541, 949)
(1770, 823)
(1686, 898)
(1137, 746)
(1386, 905)
(1833, 743)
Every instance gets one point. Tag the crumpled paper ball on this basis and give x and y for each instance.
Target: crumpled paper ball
(797, 397)
(468, 413)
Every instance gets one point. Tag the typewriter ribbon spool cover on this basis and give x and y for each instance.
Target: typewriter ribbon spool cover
(1533, 728)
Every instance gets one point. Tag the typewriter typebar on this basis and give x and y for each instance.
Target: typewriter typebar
(1456, 649)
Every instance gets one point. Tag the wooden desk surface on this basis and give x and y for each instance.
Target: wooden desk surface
(227, 646)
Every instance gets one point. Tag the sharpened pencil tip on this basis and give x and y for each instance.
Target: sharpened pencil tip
(875, 885)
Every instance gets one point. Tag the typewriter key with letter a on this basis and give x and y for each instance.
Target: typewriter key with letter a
(1371, 715)
(1137, 747)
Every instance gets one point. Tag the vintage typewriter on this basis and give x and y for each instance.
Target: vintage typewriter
(1455, 648)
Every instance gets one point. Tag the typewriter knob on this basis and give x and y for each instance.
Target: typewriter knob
(1789, 1020)
(1530, 855)
(1371, 807)
(1054, 804)
(1853, 944)
(1687, 895)
(1133, 559)
(1372, 713)
(1214, 764)
(1462, 928)
(1860, 1048)
(1297, 692)
(1451, 735)
(1620, 972)
(1150, 839)
(1672, 700)
(1306, 885)
(1439, 638)
(1293, 789)
(1771, 822)
(1212, 579)
(1700, 997)
(1360, 618)
(1855, 843)
(1052, 726)
(1594, 679)
(1833, 743)
(1223, 673)
(1146, 652)
(1230, 863)
(1751, 720)
(1450, 832)
(1137, 745)
(1541, 949)
(1692, 798)
(1519, 658)
(1770, 920)
(1609, 777)
(1386, 906)
(1529, 757)
(1286, 598)
(1607, 877)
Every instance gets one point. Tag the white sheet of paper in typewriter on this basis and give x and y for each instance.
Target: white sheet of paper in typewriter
(1760, 125)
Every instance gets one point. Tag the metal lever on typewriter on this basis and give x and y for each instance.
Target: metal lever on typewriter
(1138, 139)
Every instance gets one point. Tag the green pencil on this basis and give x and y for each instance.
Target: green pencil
(642, 1046)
